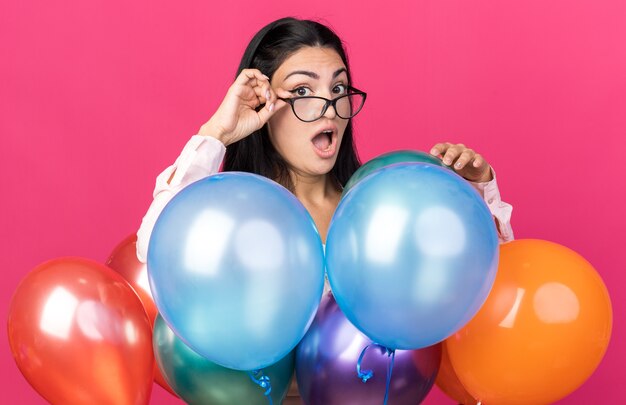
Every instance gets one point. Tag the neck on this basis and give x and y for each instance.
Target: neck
(315, 190)
(320, 196)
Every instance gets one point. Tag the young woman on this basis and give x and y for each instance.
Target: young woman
(287, 117)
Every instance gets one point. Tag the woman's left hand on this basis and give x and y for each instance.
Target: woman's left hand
(467, 163)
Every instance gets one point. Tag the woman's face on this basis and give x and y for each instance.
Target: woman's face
(309, 148)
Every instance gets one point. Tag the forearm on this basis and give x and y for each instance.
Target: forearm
(500, 210)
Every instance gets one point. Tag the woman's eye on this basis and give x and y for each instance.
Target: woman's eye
(301, 91)
(340, 89)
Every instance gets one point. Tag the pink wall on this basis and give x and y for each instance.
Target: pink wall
(97, 97)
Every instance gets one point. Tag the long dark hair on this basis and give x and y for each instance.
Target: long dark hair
(267, 50)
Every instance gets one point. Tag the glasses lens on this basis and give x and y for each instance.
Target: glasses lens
(350, 105)
(312, 108)
(308, 109)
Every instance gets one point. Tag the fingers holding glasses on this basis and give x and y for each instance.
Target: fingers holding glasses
(253, 87)
(251, 77)
(272, 106)
(265, 94)
(239, 115)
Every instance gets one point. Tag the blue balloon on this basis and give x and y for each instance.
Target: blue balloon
(412, 253)
(236, 269)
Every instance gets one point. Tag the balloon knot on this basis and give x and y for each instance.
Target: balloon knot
(262, 381)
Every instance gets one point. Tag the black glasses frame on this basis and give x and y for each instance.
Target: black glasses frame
(328, 102)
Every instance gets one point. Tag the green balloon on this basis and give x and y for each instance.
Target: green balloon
(390, 158)
(200, 381)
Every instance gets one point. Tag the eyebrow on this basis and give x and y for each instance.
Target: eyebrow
(314, 75)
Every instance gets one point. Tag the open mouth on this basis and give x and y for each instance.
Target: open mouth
(323, 141)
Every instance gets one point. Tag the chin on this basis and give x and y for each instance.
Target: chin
(314, 170)
(324, 167)
(313, 166)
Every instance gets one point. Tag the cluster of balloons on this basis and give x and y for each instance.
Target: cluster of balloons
(229, 303)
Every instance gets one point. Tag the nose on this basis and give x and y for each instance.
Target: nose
(330, 112)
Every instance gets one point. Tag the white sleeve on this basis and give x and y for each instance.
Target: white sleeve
(201, 157)
(500, 210)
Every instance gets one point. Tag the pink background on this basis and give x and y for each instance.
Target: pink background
(97, 97)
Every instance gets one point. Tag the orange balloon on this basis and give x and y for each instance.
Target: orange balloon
(80, 335)
(542, 331)
(449, 383)
(124, 260)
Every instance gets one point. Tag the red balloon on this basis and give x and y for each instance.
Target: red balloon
(449, 383)
(124, 260)
(80, 335)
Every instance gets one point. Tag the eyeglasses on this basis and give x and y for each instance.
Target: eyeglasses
(312, 108)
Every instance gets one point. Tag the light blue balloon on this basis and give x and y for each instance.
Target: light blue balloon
(236, 269)
(412, 253)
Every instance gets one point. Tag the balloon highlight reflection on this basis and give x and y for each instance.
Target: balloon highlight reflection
(541, 333)
(236, 268)
(80, 335)
(412, 253)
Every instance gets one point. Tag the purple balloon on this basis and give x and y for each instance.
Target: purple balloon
(327, 356)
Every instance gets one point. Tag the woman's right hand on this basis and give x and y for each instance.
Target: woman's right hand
(237, 116)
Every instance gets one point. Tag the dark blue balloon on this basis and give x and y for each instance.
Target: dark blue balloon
(236, 268)
(326, 362)
(412, 253)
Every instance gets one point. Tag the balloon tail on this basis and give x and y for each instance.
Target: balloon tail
(365, 375)
(262, 381)
(392, 354)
